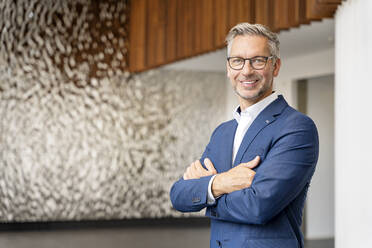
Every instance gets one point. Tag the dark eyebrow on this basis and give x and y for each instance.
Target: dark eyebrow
(255, 57)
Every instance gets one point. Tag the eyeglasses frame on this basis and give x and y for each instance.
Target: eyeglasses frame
(267, 58)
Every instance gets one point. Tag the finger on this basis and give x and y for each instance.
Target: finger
(185, 177)
(199, 167)
(253, 163)
(192, 171)
(210, 167)
(187, 173)
(251, 177)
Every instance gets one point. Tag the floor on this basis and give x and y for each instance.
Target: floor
(159, 237)
(325, 243)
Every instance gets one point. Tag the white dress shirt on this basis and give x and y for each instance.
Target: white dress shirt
(244, 119)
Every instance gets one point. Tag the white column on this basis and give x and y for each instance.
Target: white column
(353, 121)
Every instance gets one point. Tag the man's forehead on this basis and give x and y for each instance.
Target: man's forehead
(252, 43)
(251, 37)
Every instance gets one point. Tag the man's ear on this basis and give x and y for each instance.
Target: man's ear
(277, 65)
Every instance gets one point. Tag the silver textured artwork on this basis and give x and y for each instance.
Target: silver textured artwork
(80, 138)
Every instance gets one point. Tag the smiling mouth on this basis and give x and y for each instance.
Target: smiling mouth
(249, 82)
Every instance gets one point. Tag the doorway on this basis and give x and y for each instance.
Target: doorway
(315, 98)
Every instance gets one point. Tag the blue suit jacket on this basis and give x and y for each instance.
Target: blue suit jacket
(269, 213)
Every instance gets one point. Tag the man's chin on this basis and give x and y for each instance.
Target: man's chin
(249, 96)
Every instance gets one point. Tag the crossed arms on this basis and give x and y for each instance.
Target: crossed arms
(247, 196)
(237, 178)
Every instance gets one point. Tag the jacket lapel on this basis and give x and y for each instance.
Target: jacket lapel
(267, 116)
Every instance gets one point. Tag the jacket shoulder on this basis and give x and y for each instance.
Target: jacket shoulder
(295, 117)
(224, 126)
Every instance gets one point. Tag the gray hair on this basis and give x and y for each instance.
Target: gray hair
(246, 28)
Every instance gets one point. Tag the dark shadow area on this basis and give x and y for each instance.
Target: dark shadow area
(106, 224)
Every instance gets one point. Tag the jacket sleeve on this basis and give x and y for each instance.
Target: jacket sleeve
(192, 195)
(286, 170)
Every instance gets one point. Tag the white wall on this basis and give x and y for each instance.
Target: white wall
(353, 89)
(318, 63)
(320, 201)
(213, 61)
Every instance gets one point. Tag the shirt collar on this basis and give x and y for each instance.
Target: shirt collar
(254, 110)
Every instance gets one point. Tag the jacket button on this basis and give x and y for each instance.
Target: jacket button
(219, 243)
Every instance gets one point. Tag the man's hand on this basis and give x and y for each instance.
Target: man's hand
(196, 170)
(237, 178)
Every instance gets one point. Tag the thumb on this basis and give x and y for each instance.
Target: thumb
(253, 163)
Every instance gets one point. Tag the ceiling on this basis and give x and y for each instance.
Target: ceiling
(317, 36)
(307, 38)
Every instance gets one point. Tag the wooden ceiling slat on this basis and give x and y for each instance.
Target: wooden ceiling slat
(262, 12)
(221, 22)
(317, 10)
(184, 29)
(233, 14)
(163, 31)
(240, 11)
(190, 28)
(294, 13)
(198, 34)
(248, 10)
(180, 30)
(207, 25)
(171, 31)
(137, 35)
(156, 32)
(329, 1)
(303, 11)
(271, 16)
(281, 14)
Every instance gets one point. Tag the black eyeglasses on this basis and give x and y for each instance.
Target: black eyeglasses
(257, 63)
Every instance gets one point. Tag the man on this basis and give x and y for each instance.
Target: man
(254, 174)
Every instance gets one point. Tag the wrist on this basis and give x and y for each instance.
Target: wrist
(217, 185)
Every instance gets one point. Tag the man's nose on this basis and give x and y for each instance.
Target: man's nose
(247, 68)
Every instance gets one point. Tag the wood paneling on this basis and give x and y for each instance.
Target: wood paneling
(155, 46)
(294, 13)
(330, 1)
(206, 33)
(163, 31)
(303, 18)
(137, 35)
(240, 11)
(171, 31)
(262, 12)
(220, 20)
(318, 10)
(198, 17)
(281, 20)
(184, 28)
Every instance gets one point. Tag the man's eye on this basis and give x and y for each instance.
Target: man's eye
(237, 61)
(258, 61)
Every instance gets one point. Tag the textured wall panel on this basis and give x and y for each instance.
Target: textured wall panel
(79, 137)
